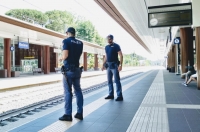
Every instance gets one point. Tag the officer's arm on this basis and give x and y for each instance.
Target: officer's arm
(65, 54)
(121, 57)
(104, 62)
(105, 58)
(65, 49)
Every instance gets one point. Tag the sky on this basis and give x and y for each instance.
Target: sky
(88, 9)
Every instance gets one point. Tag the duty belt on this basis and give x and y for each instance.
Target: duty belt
(64, 69)
(111, 65)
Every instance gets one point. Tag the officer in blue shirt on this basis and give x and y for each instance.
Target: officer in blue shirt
(113, 66)
(72, 50)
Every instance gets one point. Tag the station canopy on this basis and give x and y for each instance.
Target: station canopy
(132, 15)
(18, 29)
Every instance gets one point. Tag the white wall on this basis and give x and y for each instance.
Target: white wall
(196, 12)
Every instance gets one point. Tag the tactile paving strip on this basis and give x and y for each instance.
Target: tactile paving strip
(150, 118)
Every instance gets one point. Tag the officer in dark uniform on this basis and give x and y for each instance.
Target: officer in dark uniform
(72, 50)
(113, 66)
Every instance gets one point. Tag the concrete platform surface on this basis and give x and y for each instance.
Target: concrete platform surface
(154, 101)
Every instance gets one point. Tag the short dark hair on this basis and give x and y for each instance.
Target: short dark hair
(110, 36)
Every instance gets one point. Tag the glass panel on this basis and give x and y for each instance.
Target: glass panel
(1, 53)
(29, 65)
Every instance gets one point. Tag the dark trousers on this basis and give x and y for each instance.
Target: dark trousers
(113, 70)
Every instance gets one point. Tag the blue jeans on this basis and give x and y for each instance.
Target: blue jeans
(73, 78)
(110, 72)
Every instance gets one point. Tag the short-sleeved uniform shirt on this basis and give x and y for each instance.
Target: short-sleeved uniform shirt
(75, 49)
(112, 52)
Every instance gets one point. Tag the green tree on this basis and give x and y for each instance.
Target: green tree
(86, 31)
(90, 61)
(99, 40)
(132, 59)
(59, 20)
(135, 62)
(147, 62)
(29, 15)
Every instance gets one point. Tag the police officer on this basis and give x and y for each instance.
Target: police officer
(113, 66)
(72, 50)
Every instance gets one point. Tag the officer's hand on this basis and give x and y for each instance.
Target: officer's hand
(60, 59)
(103, 68)
(119, 68)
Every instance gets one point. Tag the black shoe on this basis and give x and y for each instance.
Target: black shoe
(109, 97)
(78, 116)
(66, 118)
(119, 99)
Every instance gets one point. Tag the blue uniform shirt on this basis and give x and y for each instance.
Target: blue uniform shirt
(112, 52)
(75, 48)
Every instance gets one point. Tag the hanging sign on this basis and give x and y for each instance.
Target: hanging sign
(56, 50)
(177, 41)
(23, 45)
(12, 48)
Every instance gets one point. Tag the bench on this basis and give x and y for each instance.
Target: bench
(57, 69)
(15, 73)
(3, 73)
(37, 70)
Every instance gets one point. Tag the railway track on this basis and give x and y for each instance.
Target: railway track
(19, 103)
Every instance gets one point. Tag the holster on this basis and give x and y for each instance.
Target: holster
(65, 70)
(71, 68)
(106, 65)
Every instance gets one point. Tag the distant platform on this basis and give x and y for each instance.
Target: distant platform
(26, 80)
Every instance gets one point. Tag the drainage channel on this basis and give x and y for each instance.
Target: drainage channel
(14, 115)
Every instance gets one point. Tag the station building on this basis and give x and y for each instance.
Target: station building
(25, 46)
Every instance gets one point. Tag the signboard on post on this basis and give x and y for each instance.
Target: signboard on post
(23, 45)
(170, 15)
(57, 50)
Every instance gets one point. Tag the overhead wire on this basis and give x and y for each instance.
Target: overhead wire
(83, 7)
(33, 5)
(5, 6)
(23, 1)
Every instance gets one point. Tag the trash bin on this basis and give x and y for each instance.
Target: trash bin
(173, 69)
(3, 73)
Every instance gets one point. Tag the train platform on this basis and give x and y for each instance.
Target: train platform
(154, 101)
(28, 80)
